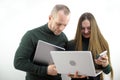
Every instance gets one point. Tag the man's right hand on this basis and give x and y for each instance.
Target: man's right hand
(52, 70)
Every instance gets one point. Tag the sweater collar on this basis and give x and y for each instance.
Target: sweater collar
(46, 29)
(85, 39)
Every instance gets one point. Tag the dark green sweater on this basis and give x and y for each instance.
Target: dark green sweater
(24, 55)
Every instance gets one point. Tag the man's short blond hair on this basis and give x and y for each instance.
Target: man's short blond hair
(59, 7)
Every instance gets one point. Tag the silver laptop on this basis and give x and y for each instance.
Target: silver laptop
(68, 62)
(42, 53)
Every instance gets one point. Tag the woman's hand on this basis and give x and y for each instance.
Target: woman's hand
(102, 60)
(76, 75)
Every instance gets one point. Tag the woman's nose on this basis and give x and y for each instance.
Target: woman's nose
(86, 30)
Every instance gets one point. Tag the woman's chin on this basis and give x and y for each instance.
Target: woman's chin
(86, 36)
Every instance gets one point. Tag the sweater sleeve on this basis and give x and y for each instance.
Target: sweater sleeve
(107, 69)
(23, 57)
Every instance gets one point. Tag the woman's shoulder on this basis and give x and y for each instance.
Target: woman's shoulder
(71, 42)
(71, 45)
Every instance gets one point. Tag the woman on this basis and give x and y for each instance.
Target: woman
(89, 38)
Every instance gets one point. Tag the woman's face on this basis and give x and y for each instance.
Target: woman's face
(86, 29)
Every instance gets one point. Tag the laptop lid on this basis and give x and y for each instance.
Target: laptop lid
(42, 53)
(68, 62)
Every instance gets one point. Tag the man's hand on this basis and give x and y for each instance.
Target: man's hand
(52, 70)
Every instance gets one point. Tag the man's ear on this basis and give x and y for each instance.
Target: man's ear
(50, 17)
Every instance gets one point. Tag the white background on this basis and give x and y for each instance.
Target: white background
(18, 16)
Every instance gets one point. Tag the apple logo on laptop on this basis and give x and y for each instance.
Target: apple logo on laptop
(72, 62)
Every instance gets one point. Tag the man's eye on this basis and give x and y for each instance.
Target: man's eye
(58, 24)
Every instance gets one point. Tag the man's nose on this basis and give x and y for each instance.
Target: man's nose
(61, 28)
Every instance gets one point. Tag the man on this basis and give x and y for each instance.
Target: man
(50, 32)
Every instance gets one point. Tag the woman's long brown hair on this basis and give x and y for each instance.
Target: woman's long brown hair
(97, 42)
